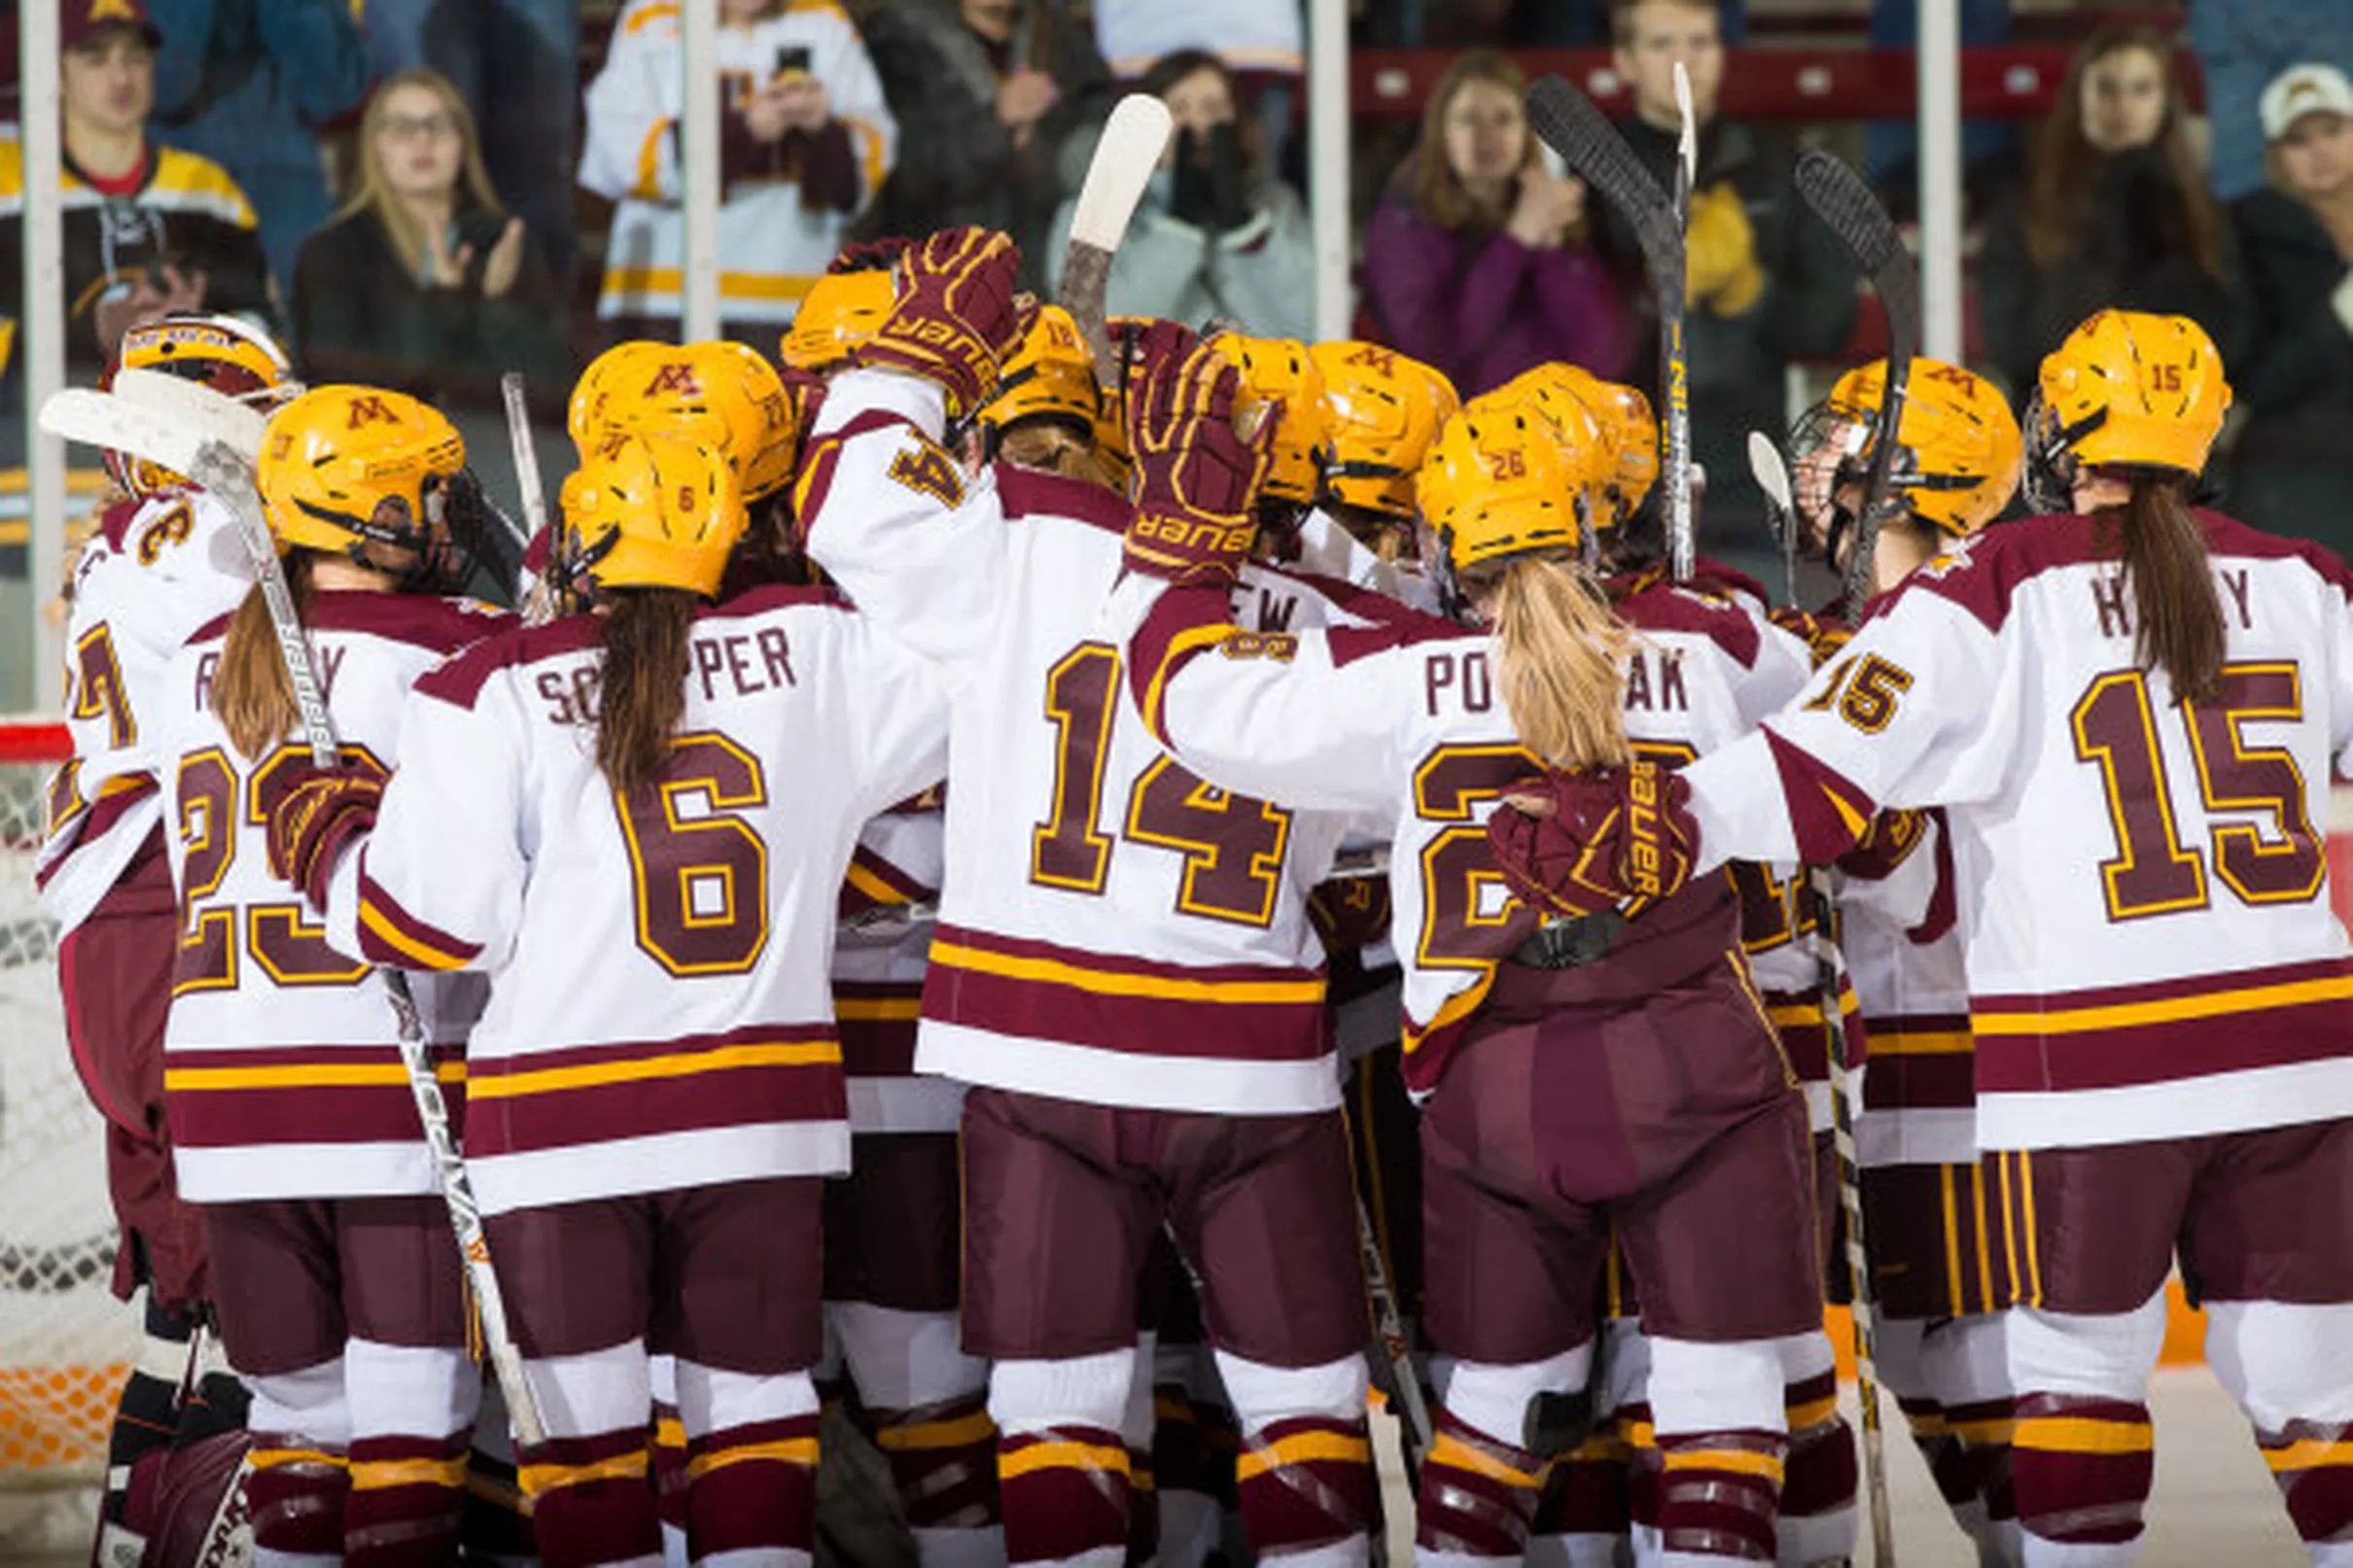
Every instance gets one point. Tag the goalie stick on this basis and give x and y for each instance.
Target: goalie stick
(1839, 198)
(1125, 159)
(1566, 121)
(189, 447)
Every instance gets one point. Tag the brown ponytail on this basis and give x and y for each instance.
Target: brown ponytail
(2177, 616)
(1054, 448)
(643, 689)
(251, 690)
(1556, 660)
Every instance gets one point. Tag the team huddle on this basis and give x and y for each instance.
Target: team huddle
(941, 894)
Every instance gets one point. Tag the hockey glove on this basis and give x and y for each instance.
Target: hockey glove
(1823, 635)
(1578, 843)
(1197, 476)
(958, 315)
(315, 819)
(1888, 842)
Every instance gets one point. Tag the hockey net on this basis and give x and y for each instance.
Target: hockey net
(66, 1343)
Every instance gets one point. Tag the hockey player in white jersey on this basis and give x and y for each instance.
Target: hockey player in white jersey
(164, 561)
(1382, 410)
(334, 1278)
(2126, 709)
(1560, 1097)
(1124, 969)
(636, 822)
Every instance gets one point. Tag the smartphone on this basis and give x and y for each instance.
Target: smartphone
(791, 60)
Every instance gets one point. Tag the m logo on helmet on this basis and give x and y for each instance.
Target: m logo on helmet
(367, 410)
(1382, 361)
(675, 379)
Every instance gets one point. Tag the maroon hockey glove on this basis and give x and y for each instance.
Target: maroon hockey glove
(1578, 843)
(1823, 635)
(1892, 837)
(1197, 477)
(959, 316)
(314, 819)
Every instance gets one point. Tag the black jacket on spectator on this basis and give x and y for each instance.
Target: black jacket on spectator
(2133, 258)
(1737, 364)
(956, 161)
(2292, 469)
(361, 314)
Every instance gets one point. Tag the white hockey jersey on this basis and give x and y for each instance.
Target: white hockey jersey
(1111, 928)
(2143, 885)
(660, 1014)
(773, 245)
(281, 1073)
(1902, 942)
(155, 570)
(879, 959)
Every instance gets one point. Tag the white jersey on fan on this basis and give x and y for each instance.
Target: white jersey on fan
(281, 1073)
(155, 570)
(2143, 882)
(1111, 929)
(660, 1014)
(775, 245)
(880, 958)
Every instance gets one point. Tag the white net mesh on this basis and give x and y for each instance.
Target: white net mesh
(66, 1343)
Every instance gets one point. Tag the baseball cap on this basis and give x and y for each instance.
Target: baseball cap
(80, 20)
(2304, 89)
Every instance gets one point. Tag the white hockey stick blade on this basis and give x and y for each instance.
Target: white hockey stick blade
(1133, 140)
(219, 416)
(1687, 147)
(1771, 473)
(103, 420)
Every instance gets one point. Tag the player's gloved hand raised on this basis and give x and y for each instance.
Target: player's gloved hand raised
(1822, 635)
(313, 817)
(1575, 844)
(1196, 475)
(958, 315)
(1720, 267)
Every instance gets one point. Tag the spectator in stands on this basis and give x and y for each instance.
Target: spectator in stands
(423, 283)
(148, 229)
(2242, 44)
(1216, 233)
(1478, 260)
(1765, 283)
(1263, 43)
(518, 65)
(2113, 211)
(2292, 468)
(805, 143)
(251, 84)
(988, 94)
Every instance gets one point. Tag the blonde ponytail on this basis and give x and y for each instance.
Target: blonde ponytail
(251, 690)
(1556, 643)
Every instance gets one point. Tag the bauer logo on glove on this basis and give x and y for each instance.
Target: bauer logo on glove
(1578, 843)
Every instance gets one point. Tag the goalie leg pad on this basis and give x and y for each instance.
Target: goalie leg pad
(1062, 1460)
(751, 1463)
(1305, 1474)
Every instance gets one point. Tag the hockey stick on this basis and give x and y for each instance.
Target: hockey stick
(541, 607)
(1566, 121)
(189, 447)
(1781, 510)
(1839, 198)
(1124, 161)
(234, 425)
(1396, 1346)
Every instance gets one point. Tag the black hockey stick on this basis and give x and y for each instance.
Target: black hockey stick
(1567, 122)
(1839, 198)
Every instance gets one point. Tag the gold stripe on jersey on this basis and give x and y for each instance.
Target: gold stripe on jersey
(413, 948)
(2170, 1010)
(305, 1075)
(1302, 1448)
(2076, 1434)
(976, 1427)
(1121, 982)
(1952, 1237)
(873, 887)
(1183, 644)
(868, 139)
(800, 1452)
(1984, 1242)
(1108, 1457)
(1738, 1461)
(824, 1052)
(649, 158)
(2034, 1262)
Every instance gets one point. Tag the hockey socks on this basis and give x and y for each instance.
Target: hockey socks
(2082, 1467)
(1818, 1495)
(943, 1463)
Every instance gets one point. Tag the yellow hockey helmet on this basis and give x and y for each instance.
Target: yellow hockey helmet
(648, 510)
(1958, 447)
(1280, 370)
(224, 352)
(722, 394)
(1583, 408)
(1382, 412)
(343, 466)
(1497, 483)
(1050, 376)
(2131, 390)
(840, 311)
